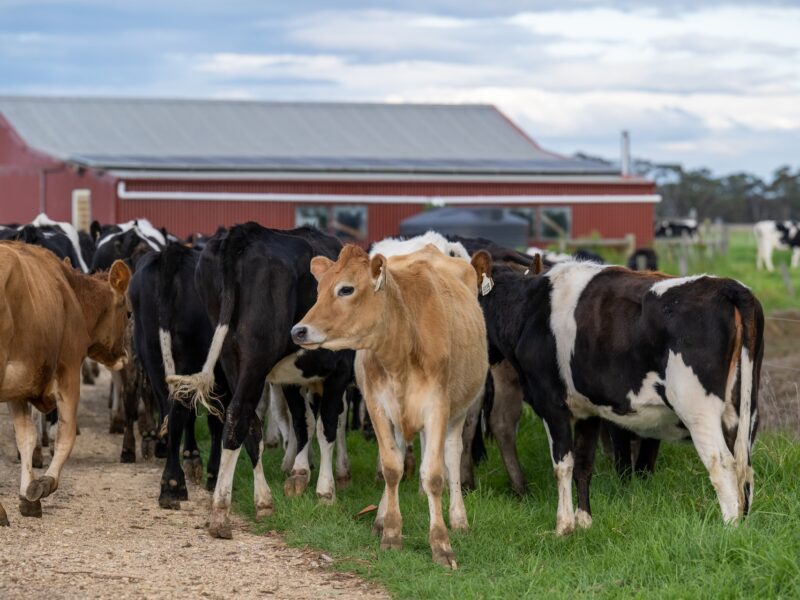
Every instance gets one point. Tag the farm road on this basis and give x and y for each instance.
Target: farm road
(103, 535)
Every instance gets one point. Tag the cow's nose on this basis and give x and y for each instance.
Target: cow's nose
(299, 334)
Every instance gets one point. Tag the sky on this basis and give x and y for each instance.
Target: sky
(701, 83)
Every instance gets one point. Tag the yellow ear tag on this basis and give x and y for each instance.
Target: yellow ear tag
(486, 284)
(379, 281)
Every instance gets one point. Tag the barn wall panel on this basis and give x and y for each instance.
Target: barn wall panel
(614, 221)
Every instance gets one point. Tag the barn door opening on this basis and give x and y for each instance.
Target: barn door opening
(81, 209)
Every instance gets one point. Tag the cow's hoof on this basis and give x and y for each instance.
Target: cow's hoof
(116, 426)
(148, 448)
(127, 456)
(459, 524)
(220, 528)
(169, 503)
(377, 527)
(37, 460)
(264, 511)
(564, 527)
(296, 484)
(29, 508)
(193, 468)
(172, 492)
(444, 557)
(40, 488)
(583, 519)
(342, 481)
(160, 449)
(391, 542)
(326, 498)
(3, 517)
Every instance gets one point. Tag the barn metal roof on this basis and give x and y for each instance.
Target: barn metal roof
(227, 135)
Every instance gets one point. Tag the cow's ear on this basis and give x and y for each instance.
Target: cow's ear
(377, 271)
(119, 276)
(95, 230)
(537, 266)
(482, 263)
(320, 266)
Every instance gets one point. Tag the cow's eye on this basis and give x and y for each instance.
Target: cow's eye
(345, 290)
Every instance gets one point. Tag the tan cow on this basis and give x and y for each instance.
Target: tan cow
(51, 317)
(421, 362)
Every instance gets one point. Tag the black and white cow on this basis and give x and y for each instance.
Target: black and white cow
(668, 358)
(118, 242)
(172, 334)
(776, 235)
(256, 283)
(676, 228)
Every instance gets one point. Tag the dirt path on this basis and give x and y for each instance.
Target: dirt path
(103, 535)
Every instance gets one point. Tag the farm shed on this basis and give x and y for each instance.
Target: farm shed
(354, 169)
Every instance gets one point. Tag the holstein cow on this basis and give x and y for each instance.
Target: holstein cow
(668, 358)
(676, 228)
(255, 282)
(52, 317)
(172, 334)
(776, 235)
(118, 242)
(421, 363)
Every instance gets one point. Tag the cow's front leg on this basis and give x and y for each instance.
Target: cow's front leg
(453, 450)
(25, 432)
(391, 447)
(432, 475)
(262, 495)
(560, 437)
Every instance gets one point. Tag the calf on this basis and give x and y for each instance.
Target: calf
(668, 358)
(255, 282)
(776, 235)
(676, 228)
(52, 317)
(421, 363)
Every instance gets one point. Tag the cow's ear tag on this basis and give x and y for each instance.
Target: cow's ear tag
(486, 284)
(379, 281)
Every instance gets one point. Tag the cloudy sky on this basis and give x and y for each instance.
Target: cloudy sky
(703, 83)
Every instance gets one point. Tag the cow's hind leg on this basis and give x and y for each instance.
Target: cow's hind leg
(25, 432)
(303, 423)
(38, 460)
(279, 414)
(587, 432)
(710, 443)
(343, 475)
(504, 418)
(254, 444)
(215, 428)
(173, 480)
(453, 450)
(192, 462)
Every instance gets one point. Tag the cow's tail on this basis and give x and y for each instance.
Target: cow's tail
(749, 318)
(198, 388)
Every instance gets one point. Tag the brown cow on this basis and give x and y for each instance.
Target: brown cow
(51, 317)
(421, 362)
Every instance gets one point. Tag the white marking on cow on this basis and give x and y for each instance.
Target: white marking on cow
(286, 372)
(399, 247)
(568, 281)
(222, 491)
(262, 495)
(165, 340)
(741, 448)
(453, 448)
(279, 413)
(326, 489)
(583, 519)
(663, 286)
(70, 231)
(565, 515)
(144, 229)
(342, 459)
(200, 386)
(769, 239)
(701, 412)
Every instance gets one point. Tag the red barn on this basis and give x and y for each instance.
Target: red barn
(355, 169)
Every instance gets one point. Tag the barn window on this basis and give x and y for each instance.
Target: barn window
(347, 222)
(529, 214)
(555, 222)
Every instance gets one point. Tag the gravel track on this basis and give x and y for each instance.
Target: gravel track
(103, 536)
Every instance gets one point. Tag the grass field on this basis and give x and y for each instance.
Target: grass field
(659, 537)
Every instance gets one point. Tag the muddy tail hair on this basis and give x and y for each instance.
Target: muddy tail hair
(750, 357)
(198, 388)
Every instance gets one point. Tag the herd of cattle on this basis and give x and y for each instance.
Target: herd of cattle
(445, 337)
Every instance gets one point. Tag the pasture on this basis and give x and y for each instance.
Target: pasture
(659, 536)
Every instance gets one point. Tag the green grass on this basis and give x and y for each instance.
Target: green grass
(663, 536)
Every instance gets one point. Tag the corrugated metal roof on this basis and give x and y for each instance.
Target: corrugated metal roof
(202, 135)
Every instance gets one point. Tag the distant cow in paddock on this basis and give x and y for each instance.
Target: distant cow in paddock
(255, 282)
(172, 334)
(668, 358)
(52, 317)
(421, 363)
(676, 228)
(118, 242)
(776, 235)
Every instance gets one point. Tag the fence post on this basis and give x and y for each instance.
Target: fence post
(787, 280)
